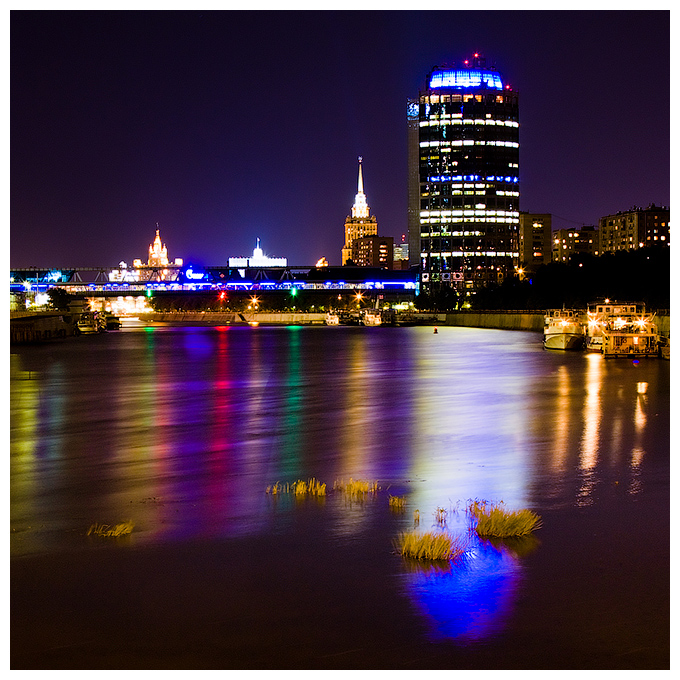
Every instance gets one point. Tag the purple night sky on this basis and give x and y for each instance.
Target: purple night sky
(227, 126)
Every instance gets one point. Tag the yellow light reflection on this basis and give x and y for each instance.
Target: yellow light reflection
(24, 401)
(638, 452)
(561, 448)
(592, 417)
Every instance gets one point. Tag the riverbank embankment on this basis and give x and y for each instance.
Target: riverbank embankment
(50, 326)
(525, 321)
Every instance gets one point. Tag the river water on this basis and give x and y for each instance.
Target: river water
(182, 429)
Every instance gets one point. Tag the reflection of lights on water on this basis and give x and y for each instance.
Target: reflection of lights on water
(638, 452)
(470, 598)
(562, 420)
(592, 415)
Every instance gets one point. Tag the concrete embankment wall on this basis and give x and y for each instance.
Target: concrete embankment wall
(524, 321)
(39, 327)
(191, 317)
(514, 321)
(663, 323)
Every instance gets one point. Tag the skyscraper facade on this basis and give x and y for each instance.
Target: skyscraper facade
(463, 181)
(360, 223)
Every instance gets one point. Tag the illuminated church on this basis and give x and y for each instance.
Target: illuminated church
(158, 254)
(360, 223)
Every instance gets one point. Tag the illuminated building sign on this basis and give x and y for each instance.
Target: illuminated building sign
(197, 276)
(466, 78)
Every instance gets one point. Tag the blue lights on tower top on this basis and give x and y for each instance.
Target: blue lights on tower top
(472, 74)
(466, 78)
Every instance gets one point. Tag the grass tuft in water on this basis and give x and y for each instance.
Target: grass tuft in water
(440, 516)
(356, 489)
(439, 545)
(493, 520)
(312, 487)
(107, 530)
(397, 502)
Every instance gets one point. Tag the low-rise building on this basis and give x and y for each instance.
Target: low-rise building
(568, 242)
(535, 240)
(373, 251)
(635, 228)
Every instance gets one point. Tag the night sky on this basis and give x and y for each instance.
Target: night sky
(227, 126)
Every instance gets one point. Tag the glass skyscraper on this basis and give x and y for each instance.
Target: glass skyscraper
(463, 137)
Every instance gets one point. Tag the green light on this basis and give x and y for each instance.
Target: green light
(149, 293)
(293, 291)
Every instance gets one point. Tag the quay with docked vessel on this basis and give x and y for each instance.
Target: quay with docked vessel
(615, 329)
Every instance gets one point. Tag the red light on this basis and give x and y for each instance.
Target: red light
(466, 62)
(476, 55)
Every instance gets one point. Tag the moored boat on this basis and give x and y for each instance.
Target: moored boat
(87, 324)
(621, 329)
(332, 319)
(112, 322)
(371, 317)
(564, 329)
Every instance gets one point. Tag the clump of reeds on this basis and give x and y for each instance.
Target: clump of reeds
(440, 516)
(356, 488)
(439, 545)
(107, 530)
(493, 520)
(312, 487)
(397, 502)
(416, 517)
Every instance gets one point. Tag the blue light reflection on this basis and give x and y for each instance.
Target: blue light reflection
(470, 598)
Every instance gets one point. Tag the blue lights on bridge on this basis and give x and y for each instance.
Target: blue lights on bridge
(151, 280)
(466, 79)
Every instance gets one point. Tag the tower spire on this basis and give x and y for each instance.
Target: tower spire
(360, 207)
(361, 178)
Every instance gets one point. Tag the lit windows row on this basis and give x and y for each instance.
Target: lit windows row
(472, 178)
(464, 253)
(452, 233)
(470, 142)
(454, 120)
(459, 213)
(477, 220)
(446, 98)
(444, 232)
(507, 193)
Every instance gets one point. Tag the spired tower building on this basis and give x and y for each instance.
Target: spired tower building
(158, 252)
(360, 223)
(463, 179)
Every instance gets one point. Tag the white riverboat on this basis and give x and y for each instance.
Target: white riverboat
(564, 329)
(621, 329)
(371, 317)
(87, 324)
(332, 319)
